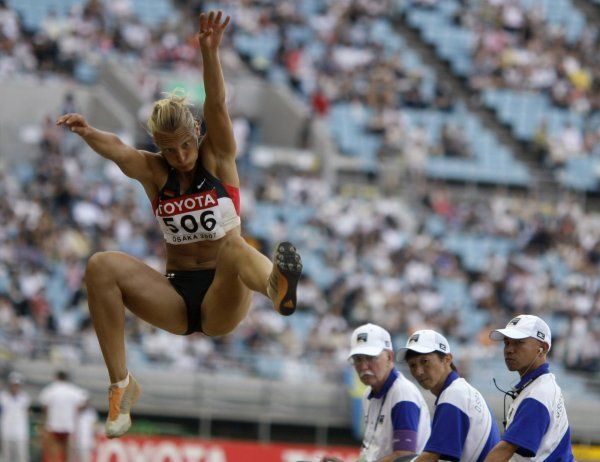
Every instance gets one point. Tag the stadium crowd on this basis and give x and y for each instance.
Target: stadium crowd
(90, 32)
(388, 262)
(348, 53)
(517, 48)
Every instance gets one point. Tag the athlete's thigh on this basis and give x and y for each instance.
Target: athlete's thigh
(226, 290)
(148, 294)
(226, 303)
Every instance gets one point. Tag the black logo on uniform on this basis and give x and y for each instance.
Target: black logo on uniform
(362, 337)
(541, 335)
(414, 338)
(515, 321)
(442, 347)
(381, 417)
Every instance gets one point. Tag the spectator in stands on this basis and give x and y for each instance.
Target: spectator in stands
(520, 49)
(14, 420)
(453, 143)
(537, 427)
(463, 426)
(194, 185)
(571, 140)
(416, 149)
(61, 403)
(320, 102)
(69, 104)
(396, 415)
(541, 143)
(444, 98)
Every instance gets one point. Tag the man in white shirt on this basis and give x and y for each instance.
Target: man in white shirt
(463, 427)
(14, 420)
(537, 426)
(396, 416)
(61, 401)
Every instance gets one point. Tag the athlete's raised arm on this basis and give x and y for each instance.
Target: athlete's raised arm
(216, 116)
(135, 164)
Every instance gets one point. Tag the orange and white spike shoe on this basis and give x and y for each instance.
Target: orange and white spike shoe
(120, 401)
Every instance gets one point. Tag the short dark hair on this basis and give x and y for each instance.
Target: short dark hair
(62, 375)
(413, 354)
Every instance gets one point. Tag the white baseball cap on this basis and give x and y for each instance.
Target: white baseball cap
(369, 340)
(424, 341)
(523, 326)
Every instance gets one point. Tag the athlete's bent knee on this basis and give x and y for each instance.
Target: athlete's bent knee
(101, 264)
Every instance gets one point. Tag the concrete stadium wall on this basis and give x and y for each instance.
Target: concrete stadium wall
(27, 101)
(206, 395)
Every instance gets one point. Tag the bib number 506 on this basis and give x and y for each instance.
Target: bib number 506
(190, 223)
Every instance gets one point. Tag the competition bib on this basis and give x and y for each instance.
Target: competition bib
(191, 218)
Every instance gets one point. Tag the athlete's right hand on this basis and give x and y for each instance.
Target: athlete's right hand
(74, 122)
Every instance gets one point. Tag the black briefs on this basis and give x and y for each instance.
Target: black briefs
(192, 286)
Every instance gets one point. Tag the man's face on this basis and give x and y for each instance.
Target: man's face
(373, 370)
(430, 370)
(521, 354)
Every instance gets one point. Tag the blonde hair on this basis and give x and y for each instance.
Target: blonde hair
(171, 113)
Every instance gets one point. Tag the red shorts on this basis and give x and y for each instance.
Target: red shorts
(61, 437)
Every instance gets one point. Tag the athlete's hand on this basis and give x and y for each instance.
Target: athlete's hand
(211, 30)
(74, 122)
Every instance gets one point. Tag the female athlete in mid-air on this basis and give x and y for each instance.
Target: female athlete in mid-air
(193, 186)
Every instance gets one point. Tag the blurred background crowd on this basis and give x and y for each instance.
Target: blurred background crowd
(456, 225)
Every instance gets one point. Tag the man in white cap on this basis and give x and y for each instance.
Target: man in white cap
(463, 427)
(537, 427)
(14, 420)
(395, 414)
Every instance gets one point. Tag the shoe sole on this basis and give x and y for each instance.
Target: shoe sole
(289, 266)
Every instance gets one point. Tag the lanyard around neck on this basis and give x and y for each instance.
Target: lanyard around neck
(378, 416)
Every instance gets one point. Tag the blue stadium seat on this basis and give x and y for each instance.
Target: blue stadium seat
(525, 111)
(268, 366)
(35, 11)
(301, 323)
(454, 293)
(475, 250)
(581, 174)
(512, 173)
(153, 12)
(435, 225)
(86, 73)
(299, 34)
(261, 46)
(310, 7)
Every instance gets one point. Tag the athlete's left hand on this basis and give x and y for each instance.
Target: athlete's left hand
(211, 30)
